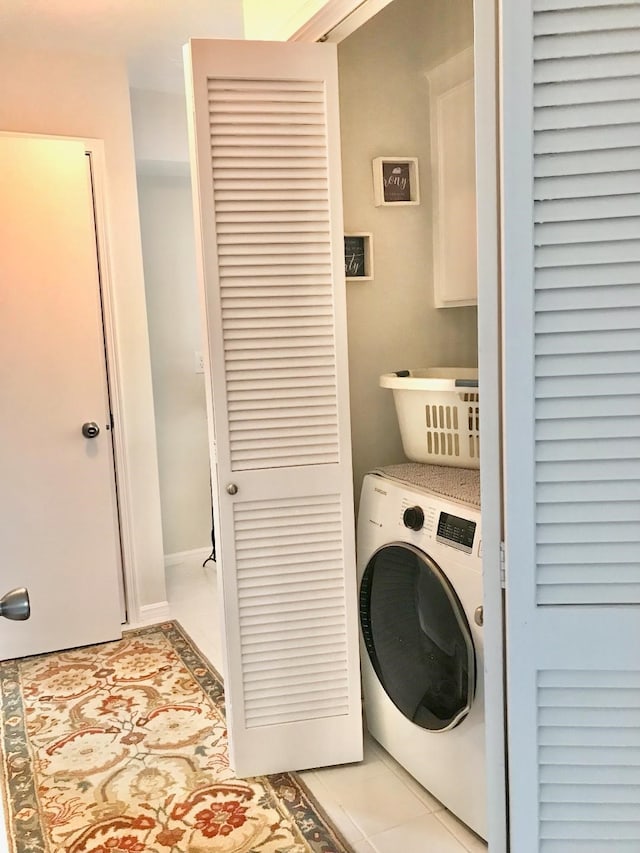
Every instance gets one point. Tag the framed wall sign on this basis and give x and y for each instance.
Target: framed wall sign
(358, 256)
(395, 181)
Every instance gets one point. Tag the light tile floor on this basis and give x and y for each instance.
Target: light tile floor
(375, 804)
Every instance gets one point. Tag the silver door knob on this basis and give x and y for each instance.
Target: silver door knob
(15, 604)
(232, 489)
(90, 429)
(478, 616)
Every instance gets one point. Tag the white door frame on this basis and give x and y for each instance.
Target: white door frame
(95, 148)
(334, 22)
(337, 19)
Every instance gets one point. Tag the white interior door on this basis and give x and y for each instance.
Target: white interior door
(58, 518)
(571, 184)
(265, 140)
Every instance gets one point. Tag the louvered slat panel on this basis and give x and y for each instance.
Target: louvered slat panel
(260, 166)
(578, 473)
(250, 213)
(611, 252)
(241, 301)
(280, 566)
(580, 386)
(266, 628)
(584, 163)
(586, 92)
(231, 230)
(588, 342)
(586, 364)
(599, 18)
(586, 67)
(291, 379)
(611, 491)
(587, 185)
(276, 156)
(612, 296)
(576, 407)
(590, 593)
(589, 760)
(603, 427)
(587, 299)
(591, 276)
(252, 290)
(587, 231)
(569, 115)
(298, 234)
(587, 43)
(273, 268)
(551, 5)
(587, 138)
(272, 241)
(595, 341)
(584, 533)
(288, 87)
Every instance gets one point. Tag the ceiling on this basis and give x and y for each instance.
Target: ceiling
(149, 34)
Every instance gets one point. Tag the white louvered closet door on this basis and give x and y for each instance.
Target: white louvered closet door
(571, 184)
(266, 139)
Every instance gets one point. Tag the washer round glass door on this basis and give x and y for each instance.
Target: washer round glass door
(417, 637)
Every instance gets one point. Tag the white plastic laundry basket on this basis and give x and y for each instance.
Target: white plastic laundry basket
(438, 412)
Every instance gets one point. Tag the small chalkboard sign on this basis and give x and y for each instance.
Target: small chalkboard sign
(396, 180)
(354, 266)
(358, 256)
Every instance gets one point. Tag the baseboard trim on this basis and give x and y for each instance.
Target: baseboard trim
(148, 614)
(180, 556)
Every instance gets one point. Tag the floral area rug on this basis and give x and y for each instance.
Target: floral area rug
(123, 747)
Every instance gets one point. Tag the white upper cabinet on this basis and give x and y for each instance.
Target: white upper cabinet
(453, 181)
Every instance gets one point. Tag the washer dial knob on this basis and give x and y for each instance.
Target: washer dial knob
(413, 518)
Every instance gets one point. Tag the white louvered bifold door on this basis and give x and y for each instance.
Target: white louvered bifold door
(266, 139)
(571, 229)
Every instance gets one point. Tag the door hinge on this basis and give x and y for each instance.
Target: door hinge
(503, 570)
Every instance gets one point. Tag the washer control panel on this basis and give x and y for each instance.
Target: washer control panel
(447, 528)
(455, 531)
(418, 517)
(413, 517)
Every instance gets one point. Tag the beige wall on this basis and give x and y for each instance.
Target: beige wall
(277, 20)
(175, 335)
(175, 326)
(384, 111)
(160, 132)
(88, 96)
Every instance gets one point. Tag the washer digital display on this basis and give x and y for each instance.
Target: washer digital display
(455, 531)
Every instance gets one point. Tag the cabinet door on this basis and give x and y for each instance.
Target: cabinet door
(453, 181)
(571, 240)
(267, 184)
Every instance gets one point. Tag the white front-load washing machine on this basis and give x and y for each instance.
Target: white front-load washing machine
(420, 588)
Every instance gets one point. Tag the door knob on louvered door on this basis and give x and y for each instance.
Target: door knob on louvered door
(232, 489)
